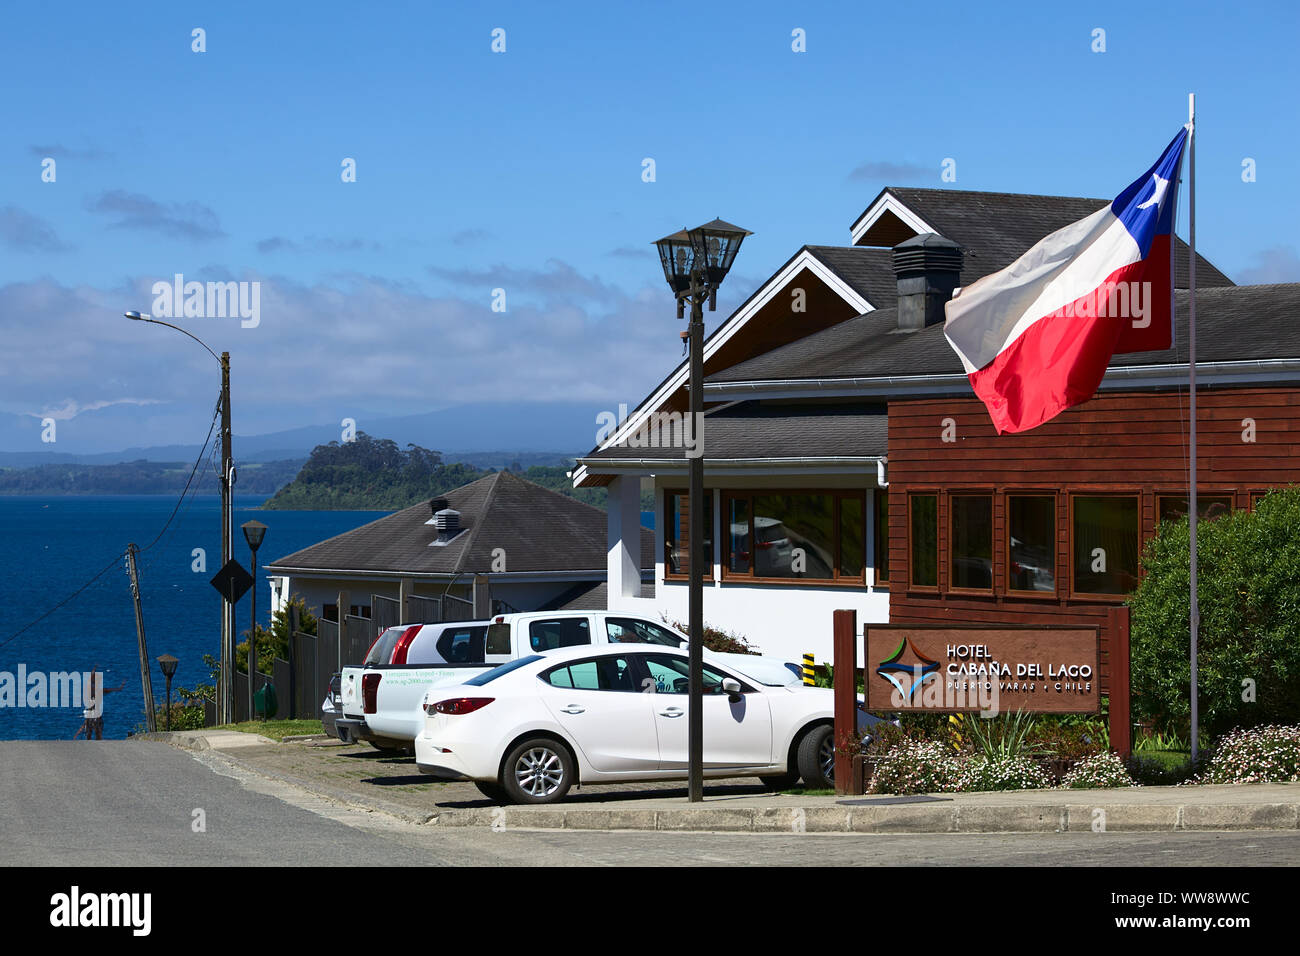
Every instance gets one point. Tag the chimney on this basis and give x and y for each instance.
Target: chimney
(436, 505)
(927, 268)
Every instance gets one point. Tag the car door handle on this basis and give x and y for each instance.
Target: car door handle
(672, 712)
(573, 709)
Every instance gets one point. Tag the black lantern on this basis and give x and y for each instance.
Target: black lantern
(716, 244)
(254, 531)
(168, 665)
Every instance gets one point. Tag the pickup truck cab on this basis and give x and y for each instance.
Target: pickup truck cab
(381, 700)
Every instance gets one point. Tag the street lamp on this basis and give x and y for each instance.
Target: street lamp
(254, 532)
(226, 698)
(168, 665)
(695, 261)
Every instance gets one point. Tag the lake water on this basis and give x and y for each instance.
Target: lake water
(54, 544)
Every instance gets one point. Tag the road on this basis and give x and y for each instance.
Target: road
(110, 803)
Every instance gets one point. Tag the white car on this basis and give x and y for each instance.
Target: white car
(525, 732)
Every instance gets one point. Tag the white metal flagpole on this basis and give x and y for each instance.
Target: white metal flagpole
(1191, 367)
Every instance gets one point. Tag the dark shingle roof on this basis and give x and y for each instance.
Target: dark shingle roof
(540, 530)
(997, 228)
(747, 430)
(1232, 323)
(592, 596)
(868, 271)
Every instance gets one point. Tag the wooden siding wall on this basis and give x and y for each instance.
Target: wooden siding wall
(1120, 442)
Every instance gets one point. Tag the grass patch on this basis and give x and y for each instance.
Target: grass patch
(276, 729)
(805, 792)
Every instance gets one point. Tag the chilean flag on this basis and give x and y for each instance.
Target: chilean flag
(1036, 337)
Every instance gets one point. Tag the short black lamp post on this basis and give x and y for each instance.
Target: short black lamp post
(695, 261)
(254, 532)
(168, 665)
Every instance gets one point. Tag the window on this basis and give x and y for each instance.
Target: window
(498, 639)
(1106, 541)
(970, 546)
(924, 521)
(881, 543)
(677, 511)
(1208, 507)
(671, 675)
(561, 632)
(601, 673)
(1031, 543)
(458, 645)
(628, 630)
(810, 535)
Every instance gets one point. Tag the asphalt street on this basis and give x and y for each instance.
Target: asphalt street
(110, 803)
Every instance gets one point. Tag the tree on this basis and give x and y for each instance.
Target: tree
(1249, 639)
(274, 642)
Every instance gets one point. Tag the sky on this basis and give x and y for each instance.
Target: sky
(524, 170)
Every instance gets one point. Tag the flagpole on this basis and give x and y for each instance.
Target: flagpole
(1191, 367)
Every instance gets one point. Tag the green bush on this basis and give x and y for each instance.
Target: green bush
(716, 639)
(1004, 771)
(1160, 769)
(274, 642)
(1259, 755)
(1249, 597)
(1097, 771)
(915, 766)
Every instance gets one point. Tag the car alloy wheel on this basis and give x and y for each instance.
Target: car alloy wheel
(539, 772)
(826, 757)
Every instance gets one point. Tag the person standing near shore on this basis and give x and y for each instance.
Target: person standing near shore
(93, 713)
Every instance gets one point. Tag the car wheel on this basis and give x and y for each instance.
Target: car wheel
(816, 758)
(538, 770)
(782, 782)
(493, 791)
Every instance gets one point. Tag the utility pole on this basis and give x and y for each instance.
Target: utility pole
(226, 705)
(146, 682)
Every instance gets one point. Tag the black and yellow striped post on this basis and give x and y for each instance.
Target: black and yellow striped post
(809, 677)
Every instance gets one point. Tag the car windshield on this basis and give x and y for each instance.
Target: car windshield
(494, 673)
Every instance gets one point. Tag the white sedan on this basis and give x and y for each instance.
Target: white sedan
(525, 732)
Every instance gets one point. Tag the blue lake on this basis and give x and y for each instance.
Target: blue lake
(54, 544)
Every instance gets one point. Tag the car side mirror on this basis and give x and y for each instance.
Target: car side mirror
(731, 687)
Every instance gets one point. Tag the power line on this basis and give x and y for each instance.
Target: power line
(188, 481)
(117, 557)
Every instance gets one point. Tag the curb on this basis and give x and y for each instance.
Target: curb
(838, 818)
(1109, 818)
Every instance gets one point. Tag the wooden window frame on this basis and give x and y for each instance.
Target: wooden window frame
(912, 586)
(879, 544)
(1073, 594)
(993, 543)
(836, 580)
(1055, 495)
(1231, 495)
(708, 507)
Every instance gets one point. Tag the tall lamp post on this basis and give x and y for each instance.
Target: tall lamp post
(254, 532)
(695, 261)
(226, 699)
(168, 665)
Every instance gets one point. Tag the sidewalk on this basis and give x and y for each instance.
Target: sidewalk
(363, 778)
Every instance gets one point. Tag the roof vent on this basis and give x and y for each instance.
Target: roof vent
(447, 522)
(927, 268)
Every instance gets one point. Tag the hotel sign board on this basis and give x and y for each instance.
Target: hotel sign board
(1052, 670)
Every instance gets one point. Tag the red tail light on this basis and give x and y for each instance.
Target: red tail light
(458, 705)
(403, 643)
(369, 690)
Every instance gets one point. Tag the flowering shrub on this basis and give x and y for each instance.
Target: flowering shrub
(1007, 772)
(1259, 755)
(915, 766)
(1098, 771)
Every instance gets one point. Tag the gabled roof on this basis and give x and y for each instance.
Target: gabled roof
(539, 530)
(994, 229)
(1233, 324)
(869, 272)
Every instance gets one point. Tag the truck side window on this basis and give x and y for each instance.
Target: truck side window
(498, 639)
(561, 632)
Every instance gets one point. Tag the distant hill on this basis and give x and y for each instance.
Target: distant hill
(375, 474)
(142, 478)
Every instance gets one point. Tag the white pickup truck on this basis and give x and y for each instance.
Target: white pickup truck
(381, 700)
